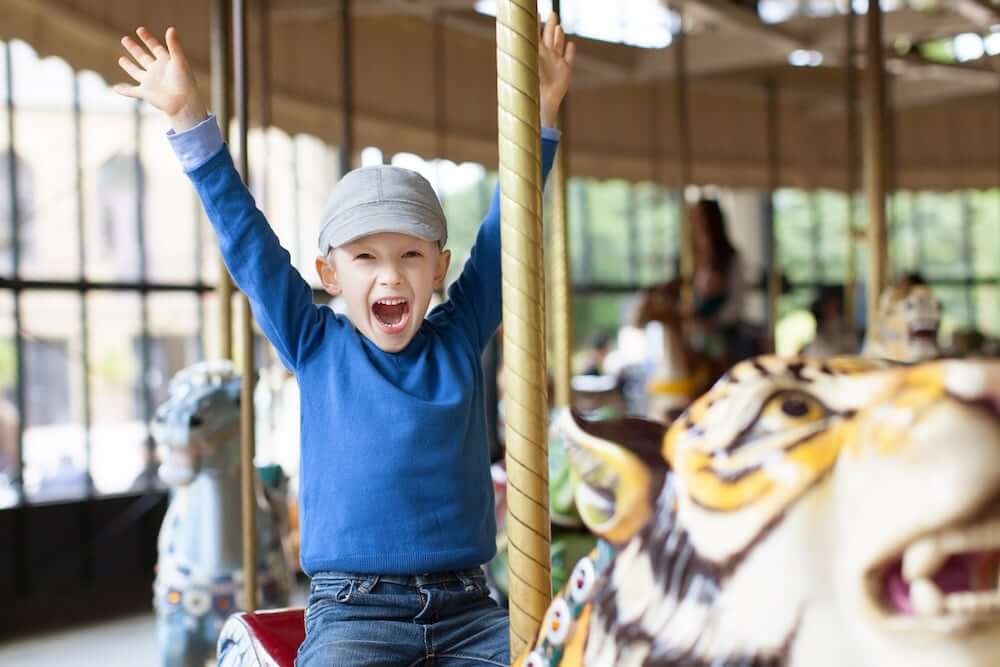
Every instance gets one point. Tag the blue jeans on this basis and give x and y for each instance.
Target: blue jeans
(445, 619)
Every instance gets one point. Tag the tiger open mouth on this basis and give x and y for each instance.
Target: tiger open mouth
(950, 577)
(923, 332)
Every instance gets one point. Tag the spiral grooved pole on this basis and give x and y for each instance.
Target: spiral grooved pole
(523, 319)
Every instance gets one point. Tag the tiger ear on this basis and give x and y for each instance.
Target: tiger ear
(617, 483)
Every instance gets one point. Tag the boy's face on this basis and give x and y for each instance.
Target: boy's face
(387, 281)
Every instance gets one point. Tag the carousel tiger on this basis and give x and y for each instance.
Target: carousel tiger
(802, 513)
(906, 325)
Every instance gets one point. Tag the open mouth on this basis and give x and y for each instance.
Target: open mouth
(391, 314)
(924, 334)
(950, 575)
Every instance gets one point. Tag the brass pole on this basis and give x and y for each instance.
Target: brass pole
(850, 282)
(347, 89)
(772, 262)
(875, 156)
(247, 473)
(221, 81)
(684, 157)
(524, 319)
(561, 315)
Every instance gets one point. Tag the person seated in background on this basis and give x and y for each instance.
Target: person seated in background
(718, 285)
(835, 335)
(596, 353)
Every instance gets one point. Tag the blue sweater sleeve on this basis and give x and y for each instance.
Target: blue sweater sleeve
(281, 299)
(475, 295)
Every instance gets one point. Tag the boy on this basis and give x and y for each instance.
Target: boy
(396, 498)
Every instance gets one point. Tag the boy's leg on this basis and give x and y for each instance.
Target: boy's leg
(473, 630)
(357, 621)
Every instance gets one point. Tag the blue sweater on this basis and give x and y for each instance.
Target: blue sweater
(394, 469)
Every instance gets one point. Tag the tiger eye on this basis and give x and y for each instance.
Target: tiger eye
(794, 407)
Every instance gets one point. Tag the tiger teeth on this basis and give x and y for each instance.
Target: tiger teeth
(972, 603)
(923, 559)
(926, 599)
(926, 556)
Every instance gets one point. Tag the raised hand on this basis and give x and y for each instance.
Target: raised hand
(164, 78)
(555, 68)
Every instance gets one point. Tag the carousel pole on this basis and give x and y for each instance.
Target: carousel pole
(346, 90)
(773, 138)
(248, 491)
(561, 316)
(684, 157)
(850, 282)
(221, 82)
(875, 161)
(524, 318)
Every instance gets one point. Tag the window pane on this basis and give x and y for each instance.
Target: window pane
(43, 99)
(956, 303)
(604, 214)
(466, 191)
(830, 209)
(118, 420)
(8, 401)
(169, 214)
(986, 233)
(111, 181)
(55, 457)
(318, 172)
(274, 185)
(988, 308)
(939, 217)
(175, 340)
(793, 228)
(659, 237)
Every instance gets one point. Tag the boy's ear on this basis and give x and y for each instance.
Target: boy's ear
(441, 269)
(328, 276)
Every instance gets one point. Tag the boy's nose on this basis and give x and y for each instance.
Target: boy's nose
(389, 275)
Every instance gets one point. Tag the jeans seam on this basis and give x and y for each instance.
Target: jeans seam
(470, 657)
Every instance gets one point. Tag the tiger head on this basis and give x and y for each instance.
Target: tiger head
(800, 514)
(907, 323)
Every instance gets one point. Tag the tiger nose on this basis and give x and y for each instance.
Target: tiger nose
(975, 382)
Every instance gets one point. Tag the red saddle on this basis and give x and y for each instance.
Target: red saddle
(265, 638)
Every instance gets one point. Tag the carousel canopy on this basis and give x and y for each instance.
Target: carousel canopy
(423, 81)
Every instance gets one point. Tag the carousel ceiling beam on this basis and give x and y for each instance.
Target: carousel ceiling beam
(979, 12)
(742, 20)
(589, 68)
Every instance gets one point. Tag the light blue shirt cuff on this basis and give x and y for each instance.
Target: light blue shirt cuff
(551, 133)
(195, 146)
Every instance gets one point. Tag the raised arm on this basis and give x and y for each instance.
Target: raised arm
(475, 296)
(281, 299)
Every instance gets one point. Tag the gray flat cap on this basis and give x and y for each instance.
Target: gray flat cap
(373, 200)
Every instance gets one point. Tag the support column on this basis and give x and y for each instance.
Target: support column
(523, 319)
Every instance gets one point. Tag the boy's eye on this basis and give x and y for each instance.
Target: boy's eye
(364, 255)
(412, 253)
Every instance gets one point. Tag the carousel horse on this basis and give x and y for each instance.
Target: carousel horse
(680, 375)
(199, 575)
(802, 513)
(906, 326)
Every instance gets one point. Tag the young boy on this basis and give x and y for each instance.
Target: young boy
(396, 497)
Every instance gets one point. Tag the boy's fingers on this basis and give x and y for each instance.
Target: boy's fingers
(151, 42)
(174, 47)
(570, 53)
(136, 51)
(131, 68)
(549, 30)
(559, 41)
(127, 91)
